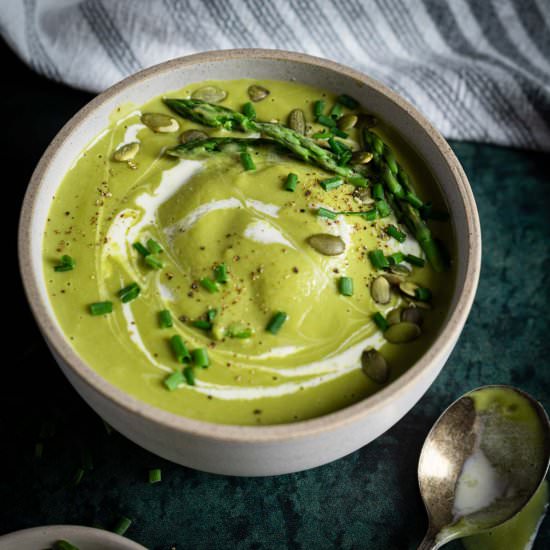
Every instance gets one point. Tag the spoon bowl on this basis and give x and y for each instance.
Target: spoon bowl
(482, 461)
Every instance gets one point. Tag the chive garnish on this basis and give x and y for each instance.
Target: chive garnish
(326, 121)
(318, 108)
(78, 475)
(326, 213)
(155, 476)
(291, 182)
(172, 381)
(325, 134)
(165, 319)
(276, 322)
(378, 191)
(101, 308)
(154, 247)
(380, 321)
(415, 260)
(189, 375)
(247, 162)
(358, 181)
(336, 111)
(122, 525)
(141, 249)
(211, 314)
(129, 293)
(347, 101)
(180, 349)
(66, 263)
(199, 357)
(202, 324)
(423, 294)
(345, 286)
(64, 545)
(396, 258)
(220, 274)
(249, 111)
(378, 260)
(331, 183)
(413, 200)
(238, 330)
(383, 208)
(339, 133)
(370, 215)
(153, 261)
(209, 285)
(392, 231)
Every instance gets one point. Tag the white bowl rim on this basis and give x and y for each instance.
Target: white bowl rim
(435, 355)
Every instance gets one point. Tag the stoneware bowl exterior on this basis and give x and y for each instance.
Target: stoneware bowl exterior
(251, 450)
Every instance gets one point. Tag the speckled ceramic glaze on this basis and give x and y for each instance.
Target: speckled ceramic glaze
(243, 450)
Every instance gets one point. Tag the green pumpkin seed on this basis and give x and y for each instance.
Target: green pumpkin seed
(380, 290)
(412, 315)
(402, 333)
(210, 94)
(361, 157)
(297, 121)
(257, 93)
(408, 288)
(394, 316)
(326, 244)
(347, 122)
(159, 123)
(395, 279)
(375, 366)
(126, 152)
(192, 135)
(401, 269)
(419, 305)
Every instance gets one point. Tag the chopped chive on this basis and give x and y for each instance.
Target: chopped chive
(345, 286)
(339, 133)
(101, 308)
(38, 450)
(66, 263)
(415, 260)
(318, 108)
(78, 475)
(326, 213)
(413, 200)
(370, 215)
(331, 183)
(249, 111)
(322, 135)
(64, 545)
(378, 260)
(276, 322)
(141, 249)
(209, 285)
(199, 357)
(247, 162)
(153, 246)
(238, 330)
(180, 349)
(189, 375)
(155, 476)
(202, 324)
(392, 231)
(336, 111)
(211, 314)
(380, 321)
(378, 191)
(153, 261)
(220, 274)
(358, 181)
(173, 380)
(383, 208)
(129, 293)
(165, 319)
(122, 525)
(347, 101)
(291, 182)
(423, 294)
(396, 258)
(326, 121)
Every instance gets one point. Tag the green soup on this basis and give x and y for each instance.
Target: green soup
(210, 215)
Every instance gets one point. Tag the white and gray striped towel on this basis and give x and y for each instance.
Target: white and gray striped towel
(478, 69)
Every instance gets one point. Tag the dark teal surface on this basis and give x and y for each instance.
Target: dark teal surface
(368, 500)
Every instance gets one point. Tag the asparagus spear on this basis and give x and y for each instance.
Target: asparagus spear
(214, 144)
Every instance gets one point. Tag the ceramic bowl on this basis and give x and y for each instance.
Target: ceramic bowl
(252, 450)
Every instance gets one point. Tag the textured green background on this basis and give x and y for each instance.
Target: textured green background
(366, 500)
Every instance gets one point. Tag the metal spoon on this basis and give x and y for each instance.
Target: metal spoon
(498, 432)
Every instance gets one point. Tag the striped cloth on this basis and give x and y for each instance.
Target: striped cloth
(478, 69)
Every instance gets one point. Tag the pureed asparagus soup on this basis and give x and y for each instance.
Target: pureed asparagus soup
(248, 252)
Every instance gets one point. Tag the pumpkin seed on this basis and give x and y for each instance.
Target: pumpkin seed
(394, 278)
(347, 122)
(363, 194)
(257, 93)
(126, 152)
(412, 315)
(361, 157)
(408, 288)
(162, 124)
(192, 135)
(375, 366)
(402, 333)
(297, 121)
(394, 316)
(210, 94)
(329, 245)
(401, 269)
(418, 304)
(380, 290)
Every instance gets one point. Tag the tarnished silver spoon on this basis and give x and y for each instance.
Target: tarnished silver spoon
(482, 461)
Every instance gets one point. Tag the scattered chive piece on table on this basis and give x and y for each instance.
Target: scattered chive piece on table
(326, 121)
(347, 101)
(189, 375)
(331, 183)
(165, 319)
(380, 321)
(358, 181)
(326, 213)
(336, 111)
(154, 247)
(377, 191)
(291, 182)
(101, 308)
(173, 380)
(129, 293)
(78, 475)
(122, 525)
(64, 545)
(378, 260)
(247, 162)
(383, 208)
(396, 258)
(155, 475)
(153, 261)
(423, 294)
(318, 108)
(398, 235)
(202, 324)
(66, 263)
(249, 111)
(199, 356)
(345, 286)
(180, 349)
(276, 322)
(141, 249)
(209, 285)
(415, 260)
(220, 274)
